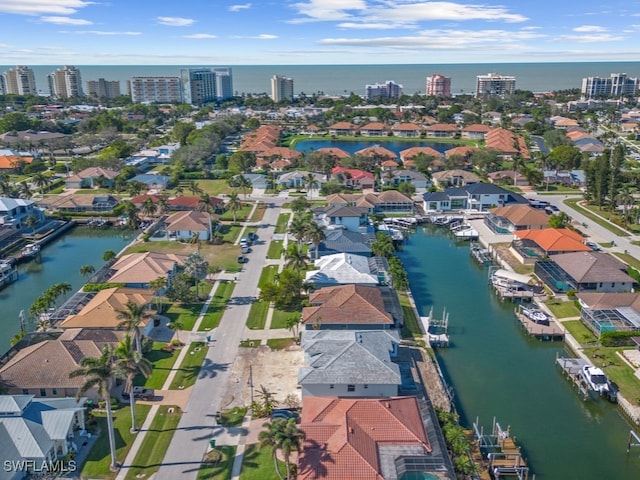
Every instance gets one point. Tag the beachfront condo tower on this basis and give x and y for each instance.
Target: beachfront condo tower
(495, 84)
(438, 85)
(281, 88)
(388, 89)
(205, 85)
(65, 82)
(156, 90)
(617, 85)
(102, 88)
(19, 81)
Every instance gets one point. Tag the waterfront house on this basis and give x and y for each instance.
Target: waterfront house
(151, 180)
(532, 245)
(378, 154)
(454, 178)
(408, 155)
(365, 438)
(43, 369)
(298, 179)
(584, 272)
(352, 307)
(10, 160)
(506, 143)
(15, 211)
(136, 270)
(190, 224)
(516, 217)
(344, 241)
(461, 155)
(80, 203)
(442, 130)
(37, 431)
(373, 129)
(417, 179)
(92, 177)
(475, 131)
(479, 197)
(349, 363)
(353, 178)
(334, 152)
(350, 218)
(343, 128)
(389, 201)
(180, 203)
(407, 130)
(610, 312)
(103, 309)
(348, 268)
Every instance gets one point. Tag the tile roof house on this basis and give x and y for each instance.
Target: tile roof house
(335, 152)
(461, 151)
(476, 131)
(80, 203)
(347, 268)
(298, 179)
(516, 217)
(507, 143)
(417, 179)
(352, 218)
(507, 176)
(374, 129)
(350, 363)
(410, 153)
(606, 312)
(348, 306)
(92, 177)
(441, 130)
(10, 160)
(377, 153)
(584, 272)
(136, 270)
(188, 224)
(353, 178)
(344, 241)
(407, 130)
(342, 128)
(458, 178)
(356, 439)
(180, 203)
(555, 240)
(37, 431)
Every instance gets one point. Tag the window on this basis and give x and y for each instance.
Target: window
(331, 385)
(25, 391)
(366, 386)
(351, 388)
(54, 391)
(43, 392)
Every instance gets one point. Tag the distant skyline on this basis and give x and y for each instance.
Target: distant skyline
(160, 32)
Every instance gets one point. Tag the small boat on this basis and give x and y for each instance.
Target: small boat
(30, 250)
(536, 315)
(595, 379)
(8, 273)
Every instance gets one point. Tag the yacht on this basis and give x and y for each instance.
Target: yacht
(595, 378)
(30, 250)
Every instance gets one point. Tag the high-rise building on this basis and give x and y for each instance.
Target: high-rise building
(438, 85)
(156, 90)
(224, 82)
(281, 88)
(618, 84)
(204, 85)
(65, 82)
(19, 81)
(495, 84)
(388, 89)
(102, 88)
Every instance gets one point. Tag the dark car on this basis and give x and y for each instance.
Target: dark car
(285, 414)
(140, 393)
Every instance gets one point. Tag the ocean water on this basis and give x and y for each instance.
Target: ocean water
(344, 79)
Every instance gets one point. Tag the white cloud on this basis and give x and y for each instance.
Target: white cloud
(589, 28)
(372, 26)
(175, 21)
(98, 32)
(264, 36)
(237, 8)
(41, 7)
(200, 36)
(65, 20)
(404, 12)
(596, 37)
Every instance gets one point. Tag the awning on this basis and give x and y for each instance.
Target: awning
(513, 276)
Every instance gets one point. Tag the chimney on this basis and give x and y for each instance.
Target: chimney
(387, 404)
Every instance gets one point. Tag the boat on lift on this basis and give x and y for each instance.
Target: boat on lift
(595, 379)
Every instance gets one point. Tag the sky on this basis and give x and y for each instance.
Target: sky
(286, 32)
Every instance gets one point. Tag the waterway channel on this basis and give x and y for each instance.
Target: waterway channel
(496, 370)
(59, 261)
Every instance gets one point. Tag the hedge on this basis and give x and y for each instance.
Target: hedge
(618, 339)
(96, 287)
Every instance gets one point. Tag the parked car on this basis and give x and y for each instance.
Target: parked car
(245, 241)
(245, 249)
(593, 246)
(242, 259)
(252, 236)
(140, 393)
(284, 414)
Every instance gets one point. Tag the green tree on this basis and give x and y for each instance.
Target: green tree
(383, 245)
(131, 319)
(242, 161)
(158, 285)
(315, 234)
(180, 289)
(407, 188)
(297, 229)
(559, 220)
(181, 131)
(300, 205)
(99, 373)
(131, 363)
(284, 436)
(176, 326)
(87, 270)
(195, 265)
(108, 255)
(148, 208)
(234, 204)
(295, 258)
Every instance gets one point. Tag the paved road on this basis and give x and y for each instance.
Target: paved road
(596, 232)
(191, 438)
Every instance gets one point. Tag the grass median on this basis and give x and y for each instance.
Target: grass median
(217, 306)
(189, 370)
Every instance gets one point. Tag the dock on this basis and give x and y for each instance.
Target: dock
(503, 455)
(436, 329)
(542, 330)
(480, 254)
(572, 367)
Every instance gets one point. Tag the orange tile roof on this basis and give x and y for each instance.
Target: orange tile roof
(353, 304)
(334, 151)
(7, 162)
(443, 127)
(408, 127)
(409, 153)
(555, 239)
(374, 126)
(342, 436)
(522, 215)
(477, 127)
(342, 126)
(377, 151)
(462, 151)
(504, 141)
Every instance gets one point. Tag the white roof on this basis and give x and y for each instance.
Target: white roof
(342, 268)
(509, 275)
(7, 203)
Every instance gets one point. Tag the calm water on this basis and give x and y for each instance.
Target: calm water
(353, 147)
(341, 79)
(497, 371)
(61, 262)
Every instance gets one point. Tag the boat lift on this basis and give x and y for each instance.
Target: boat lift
(503, 454)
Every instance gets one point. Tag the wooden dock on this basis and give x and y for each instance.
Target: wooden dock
(571, 367)
(538, 330)
(503, 456)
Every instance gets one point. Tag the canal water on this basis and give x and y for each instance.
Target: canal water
(60, 261)
(352, 147)
(498, 371)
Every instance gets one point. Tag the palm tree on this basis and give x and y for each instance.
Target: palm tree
(297, 228)
(61, 289)
(30, 221)
(310, 183)
(99, 373)
(233, 204)
(163, 205)
(283, 435)
(195, 265)
(194, 187)
(108, 255)
(176, 326)
(87, 270)
(132, 363)
(40, 180)
(315, 234)
(295, 258)
(131, 319)
(244, 184)
(149, 208)
(131, 211)
(158, 286)
(24, 191)
(626, 199)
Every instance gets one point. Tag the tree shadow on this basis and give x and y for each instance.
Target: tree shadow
(241, 300)
(314, 459)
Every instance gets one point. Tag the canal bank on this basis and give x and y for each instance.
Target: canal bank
(497, 370)
(59, 261)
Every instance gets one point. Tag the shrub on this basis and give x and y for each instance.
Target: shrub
(617, 339)
(96, 287)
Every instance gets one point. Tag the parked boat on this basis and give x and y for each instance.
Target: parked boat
(30, 250)
(8, 273)
(468, 234)
(595, 378)
(536, 315)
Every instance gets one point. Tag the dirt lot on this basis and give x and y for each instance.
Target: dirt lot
(277, 370)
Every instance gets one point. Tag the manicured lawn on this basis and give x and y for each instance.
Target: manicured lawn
(257, 315)
(563, 309)
(217, 306)
(629, 260)
(217, 466)
(155, 443)
(223, 257)
(281, 224)
(280, 343)
(241, 214)
(99, 458)
(617, 370)
(229, 232)
(268, 275)
(257, 464)
(162, 247)
(250, 343)
(232, 417)
(580, 332)
(186, 314)
(162, 363)
(259, 212)
(411, 326)
(275, 249)
(591, 214)
(214, 187)
(280, 317)
(191, 365)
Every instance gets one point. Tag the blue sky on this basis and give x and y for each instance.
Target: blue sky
(162, 32)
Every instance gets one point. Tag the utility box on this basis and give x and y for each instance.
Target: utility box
(212, 443)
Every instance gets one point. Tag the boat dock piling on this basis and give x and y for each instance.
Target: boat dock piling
(572, 367)
(634, 440)
(503, 454)
(543, 329)
(482, 255)
(436, 329)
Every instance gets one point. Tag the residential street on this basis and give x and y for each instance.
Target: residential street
(191, 438)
